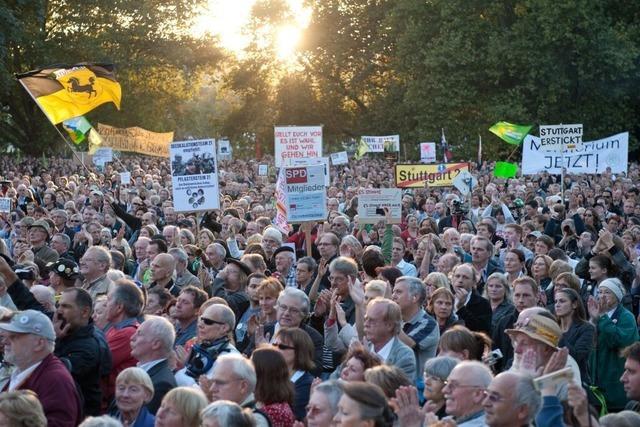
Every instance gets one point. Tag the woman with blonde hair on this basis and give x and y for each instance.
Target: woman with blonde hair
(181, 407)
(21, 408)
(434, 281)
(134, 390)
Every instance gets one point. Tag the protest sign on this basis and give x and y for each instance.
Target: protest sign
(102, 156)
(313, 161)
(194, 175)
(224, 149)
(136, 140)
(263, 170)
(294, 142)
(427, 152)
(588, 157)
(125, 178)
(465, 182)
(5, 204)
(306, 195)
(560, 137)
(415, 176)
(379, 144)
(371, 202)
(339, 158)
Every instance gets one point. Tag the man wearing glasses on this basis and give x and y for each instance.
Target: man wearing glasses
(464, 393)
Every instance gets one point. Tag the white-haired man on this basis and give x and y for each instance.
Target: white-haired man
(152, 345)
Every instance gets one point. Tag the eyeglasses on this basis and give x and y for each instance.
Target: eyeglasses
(453, 385)
(432, 378)
(291, 310)
(493, 397)
(283, 346)
(220, 383)
(210, 322)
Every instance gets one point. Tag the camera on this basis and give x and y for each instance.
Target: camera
(204, 355)
(459, 208)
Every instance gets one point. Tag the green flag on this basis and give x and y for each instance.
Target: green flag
(77, 128)
(505, 170)
(510, 133)
(361, 150)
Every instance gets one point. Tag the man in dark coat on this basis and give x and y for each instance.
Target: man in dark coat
(77, 346)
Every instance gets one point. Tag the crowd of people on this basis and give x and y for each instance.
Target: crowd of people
(514, 305)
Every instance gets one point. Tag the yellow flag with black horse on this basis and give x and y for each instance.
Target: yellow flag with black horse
(64, 92)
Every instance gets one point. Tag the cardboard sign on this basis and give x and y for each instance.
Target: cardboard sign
(194, 174)
(416, 176)
(5, 204)
(102, 156)
(125, 178)
(465, 182)
(339, 158)
(427, 152)
(297, 142)
(306, 195)
(379, 144)
(371, 202)
(560, 137)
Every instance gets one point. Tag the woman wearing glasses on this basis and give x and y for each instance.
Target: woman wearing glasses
(297, 349)
(436, 372)
(323, 404)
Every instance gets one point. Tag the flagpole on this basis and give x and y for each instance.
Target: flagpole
(57, 130)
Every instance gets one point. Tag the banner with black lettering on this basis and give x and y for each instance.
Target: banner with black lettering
(588, 157)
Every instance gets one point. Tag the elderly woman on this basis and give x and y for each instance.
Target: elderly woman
(21, 408)
(181, 407)
(297, 349)
(616, 329)
(323, 404)
(436, 372)
(225, 413)
(134, 390)
(363, 404)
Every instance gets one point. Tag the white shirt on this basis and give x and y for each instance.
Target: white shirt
(18, 377)
(385, 351)
(296, 376)
(148, 365)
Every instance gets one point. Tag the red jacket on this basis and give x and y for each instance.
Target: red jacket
(57, 392)
(119, 341)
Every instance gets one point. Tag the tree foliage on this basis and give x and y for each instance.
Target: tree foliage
(160, 64)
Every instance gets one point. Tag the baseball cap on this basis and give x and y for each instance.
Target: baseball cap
(539, 328)
(30, 322)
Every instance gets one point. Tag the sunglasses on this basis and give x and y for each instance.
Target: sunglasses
(210, 322)
(283, 346)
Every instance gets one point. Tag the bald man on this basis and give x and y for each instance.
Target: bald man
(162, 269)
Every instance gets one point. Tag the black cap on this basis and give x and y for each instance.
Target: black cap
(244, 267)
(283, 249)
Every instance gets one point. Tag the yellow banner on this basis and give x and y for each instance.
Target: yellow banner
(415, 176)
(136, 139)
